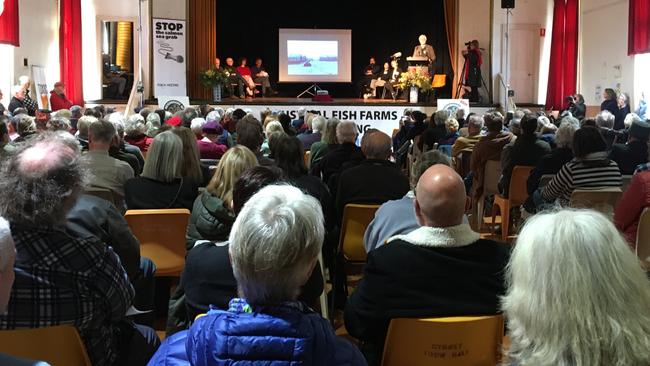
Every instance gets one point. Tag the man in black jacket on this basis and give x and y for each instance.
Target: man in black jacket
(345, 153)
(635, 152)
(441, 269)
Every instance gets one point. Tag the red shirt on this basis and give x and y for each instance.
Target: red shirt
(210, 150)
(59, 101)
(244, 70)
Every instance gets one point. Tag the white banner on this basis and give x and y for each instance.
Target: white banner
(169, 37)
(40, 85)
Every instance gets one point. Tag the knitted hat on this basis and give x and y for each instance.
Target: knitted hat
(175, 121)
(213, 128)
(640, 130)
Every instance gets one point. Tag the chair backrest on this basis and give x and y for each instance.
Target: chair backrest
(545, 179)
(643, 238)
(491, 177)
(466, 341)
(439, 81)
(600, 199)
(162, 237)
(356, 218)
(103, 193)
(518, 192)
(463, 162)
(307, 158)
(60, 345)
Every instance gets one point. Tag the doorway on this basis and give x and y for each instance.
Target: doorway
(117, 59)
(524, 62)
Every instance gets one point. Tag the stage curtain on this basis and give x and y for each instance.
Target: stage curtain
(451, 19)
(9, 24)
(563, 71)
(202, 44)
(639, 27)
(70, 50)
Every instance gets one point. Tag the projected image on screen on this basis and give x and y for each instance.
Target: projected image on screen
(312, 58)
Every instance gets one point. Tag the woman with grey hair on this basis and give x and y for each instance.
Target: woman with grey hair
(135, 130)
(273, 246)
(161, 184)
(327, 142)
(577, 294)
(152, 125)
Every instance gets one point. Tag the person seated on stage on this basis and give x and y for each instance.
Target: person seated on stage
(380, 81)
(217, 63)
(443, 268)
(393, 81)
(371, 72)
(425, 50)
(261, 76)
(472, 71)
(58, 100)
(234, 79)
(246, 74)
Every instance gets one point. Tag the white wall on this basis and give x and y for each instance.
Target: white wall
(474, 23)
(603, 53)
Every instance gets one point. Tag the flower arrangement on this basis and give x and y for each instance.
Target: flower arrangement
(212, 77)
(416, 78)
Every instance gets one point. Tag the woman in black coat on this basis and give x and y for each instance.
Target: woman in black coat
(623, 110)
(610, 103)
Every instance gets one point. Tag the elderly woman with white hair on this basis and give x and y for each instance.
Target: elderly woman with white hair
(135, 129)
(576, 295)
(317, 124)
(274, 246)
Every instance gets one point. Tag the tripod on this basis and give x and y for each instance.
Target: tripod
(463, 75)
(311, 90)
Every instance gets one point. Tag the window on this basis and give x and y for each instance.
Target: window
(642, 80)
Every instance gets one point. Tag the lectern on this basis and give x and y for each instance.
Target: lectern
(418, 64)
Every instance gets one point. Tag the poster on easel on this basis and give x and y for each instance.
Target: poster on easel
(40, 85)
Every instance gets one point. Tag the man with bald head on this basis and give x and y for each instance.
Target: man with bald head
(442, 268)
(374, 180)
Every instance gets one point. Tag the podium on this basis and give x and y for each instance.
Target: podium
(419, 63)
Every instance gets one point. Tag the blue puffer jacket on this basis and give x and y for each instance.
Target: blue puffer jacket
(290, 335)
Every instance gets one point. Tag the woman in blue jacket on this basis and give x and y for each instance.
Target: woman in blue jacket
(274, 246)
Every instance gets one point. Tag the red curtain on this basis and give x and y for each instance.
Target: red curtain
(9, 24)
(70, 50)
(563, 71)
(638, 34)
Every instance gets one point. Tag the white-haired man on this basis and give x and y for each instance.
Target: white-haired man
(308, 139)
(425, 50)
(441, 269)
(345, 153)
(474, 127)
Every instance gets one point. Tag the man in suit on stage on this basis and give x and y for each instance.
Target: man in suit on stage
(425, 50)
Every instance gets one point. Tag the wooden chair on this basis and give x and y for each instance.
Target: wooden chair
(59, 345)
(162, 237)
(307, 158)
(324, 309)
(438, 82)
(517, 195)
(466, 341)
(491, 177)
(643, 239)
(600, 199)
(462, 162)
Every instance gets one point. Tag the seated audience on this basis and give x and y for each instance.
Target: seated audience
(118, 150)
(188, 115)
(397, 217)
(488, 148)
(61, 279)
(58, 124)
(451, 126)
(345, 152)
(192, 169)
(474, 126)
(328, 142)
(25, 126)
(135, 130)
(161, 184)
(58, 100)
(285, 121)
(605, 123)
(152, 124)
(623, 104)
(308, 139)
(272, 128)
(107, 172)
(635, 152)
(267, 322)
(212, 214)
(576, 294)
(4, 138)
(225, 138)
(251, 135)
(374, 180)
(629, 209)
(418, 127)
(527, 150)
(440, 269)
(435, 131)
(589, 169)
(207, 148)
(82, 130)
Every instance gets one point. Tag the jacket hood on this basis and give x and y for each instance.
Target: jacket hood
(500, 139)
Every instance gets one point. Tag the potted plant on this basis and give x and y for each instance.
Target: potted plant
(215, 79)
(415, 81)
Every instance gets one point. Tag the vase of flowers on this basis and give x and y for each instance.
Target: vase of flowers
(415, 81)
(215, 79)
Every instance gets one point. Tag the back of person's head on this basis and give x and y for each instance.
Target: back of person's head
(231, 166)
(418, 116)
(42, 180)
(376, 145)
(474, 124)
(564, 135)
(528, 125)
(65, 113)
(285, 121)
(25, 125)
(7, 259)
(493, 122)
(100, 111)
(572, 120)
(288, 155)
(346, 132)
(329, 134)
(250, 182)
(630, 118)
(588, 140)
(19, 111)
(93, 113)
(58, 124)
(440, 117)
(605, 119)
(191, 156)
(188, 115)
(460, 114)
(101, 132)
(639, 130)
(426, 161)
(145, 112)
(204, 109)
(4, 130)
(214, 116)
(451, 125)
(76, 111)
(576, 294)
(152, 125)
(591, 122)
(274, 244)
(164, 158)
(197, 126)
(83, 124)
(318, 123)
(273, 127)
(250, 133)
(440, 197)
(162, 114)
(135, 126)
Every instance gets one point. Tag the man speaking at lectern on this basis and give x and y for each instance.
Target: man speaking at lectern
(425, 50)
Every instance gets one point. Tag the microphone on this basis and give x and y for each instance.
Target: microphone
(396, 55)
(177, 58)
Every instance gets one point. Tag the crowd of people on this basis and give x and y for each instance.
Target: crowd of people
(262, 214)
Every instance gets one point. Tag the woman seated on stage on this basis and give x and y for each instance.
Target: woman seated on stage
(247, 75)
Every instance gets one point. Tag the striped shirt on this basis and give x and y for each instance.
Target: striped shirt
(591, 172)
